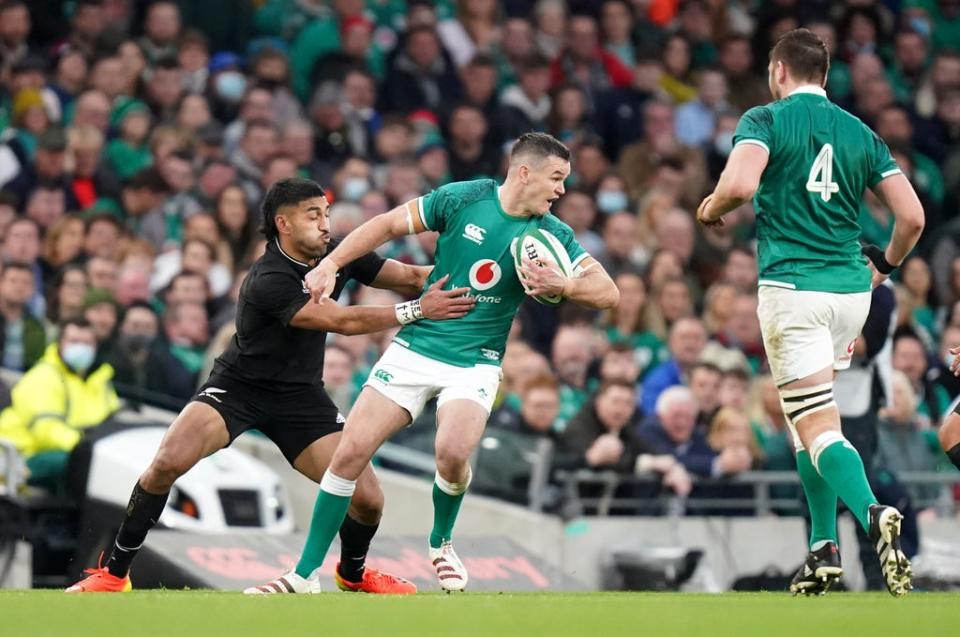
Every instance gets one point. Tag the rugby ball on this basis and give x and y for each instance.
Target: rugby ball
(540, 246)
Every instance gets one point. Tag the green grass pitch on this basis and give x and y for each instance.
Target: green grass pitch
(186, 613)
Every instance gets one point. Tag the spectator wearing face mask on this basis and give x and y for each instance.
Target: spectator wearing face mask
(57, 399)
(145, 369)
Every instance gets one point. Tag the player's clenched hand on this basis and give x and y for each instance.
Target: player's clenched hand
(541, 280)
(441, 304)
(321, 280)
(702, 211)
(876, 277)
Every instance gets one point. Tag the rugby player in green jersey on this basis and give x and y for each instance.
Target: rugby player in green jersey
(806, 162)
(478, 222)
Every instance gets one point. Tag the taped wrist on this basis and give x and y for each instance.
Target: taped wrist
(878, 257)
(408, 312)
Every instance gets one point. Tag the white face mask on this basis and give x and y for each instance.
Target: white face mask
(611, 201)
(78, 356)
(355, 188)
(231, 85)
(723, 144)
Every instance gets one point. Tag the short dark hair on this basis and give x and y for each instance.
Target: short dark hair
(620, 347)
(737, 373)
(906, 332)
(12, 4)
(804, 53)
(483, 59)
(104, 217)
(45, 184)
(194, 37)
(211, 251)
(256, 123)
(148, 179)
(534, 62)
(76, 321)
(139, 305)
(610, 383)
(10, 266)
(286, 192)
(707, 366)
(539, 145)
(167, 63)
(187, 274)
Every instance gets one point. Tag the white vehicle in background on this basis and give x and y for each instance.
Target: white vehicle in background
(228, 492)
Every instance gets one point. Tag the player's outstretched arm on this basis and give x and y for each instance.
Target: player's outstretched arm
(407, 280)
(737, 184)
(391, 225)
(436, 304)
(592, 287)
(896, 192)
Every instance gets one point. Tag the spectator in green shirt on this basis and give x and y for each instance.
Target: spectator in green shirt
(627, 323)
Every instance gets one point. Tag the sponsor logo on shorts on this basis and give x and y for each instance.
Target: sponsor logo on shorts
(482, 392)
(850, 349)
(484, 274)
(340, 419)
(383, 376)
(210, 392)
(490, 354)
(474, 233)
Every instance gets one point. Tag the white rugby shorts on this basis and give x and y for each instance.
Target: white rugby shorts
(805, 331)
(411, 379)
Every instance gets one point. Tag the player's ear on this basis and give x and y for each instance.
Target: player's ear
(283, 224)
(524, 173)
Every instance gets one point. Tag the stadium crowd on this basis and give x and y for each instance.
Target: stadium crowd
(137, 139)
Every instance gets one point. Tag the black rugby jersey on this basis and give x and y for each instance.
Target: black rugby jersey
(266, 350)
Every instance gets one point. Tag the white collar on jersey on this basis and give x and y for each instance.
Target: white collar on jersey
(306, 265)
(810, 89)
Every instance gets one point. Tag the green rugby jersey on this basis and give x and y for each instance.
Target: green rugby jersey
(808, 203)
(474, 249)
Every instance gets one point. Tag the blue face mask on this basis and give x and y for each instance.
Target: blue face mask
(723, 143)
(231, 85)
(355, 188)
(611, 201)
(920, 25)
(78, 356)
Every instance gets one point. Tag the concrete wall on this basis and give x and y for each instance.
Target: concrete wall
(732, 547)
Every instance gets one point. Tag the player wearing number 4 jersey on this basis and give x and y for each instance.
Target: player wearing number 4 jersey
(806, 163)
(478, 222)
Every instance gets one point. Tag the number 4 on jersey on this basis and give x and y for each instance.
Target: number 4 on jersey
(820, 180)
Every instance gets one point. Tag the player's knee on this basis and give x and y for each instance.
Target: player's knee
(452, 461)
(164, 471)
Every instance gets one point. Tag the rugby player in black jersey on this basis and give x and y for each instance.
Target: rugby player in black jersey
(270, 378)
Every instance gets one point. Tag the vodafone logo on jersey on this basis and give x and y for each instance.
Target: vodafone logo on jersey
(484, 274)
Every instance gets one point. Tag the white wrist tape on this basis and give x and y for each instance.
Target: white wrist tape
(408, 312)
